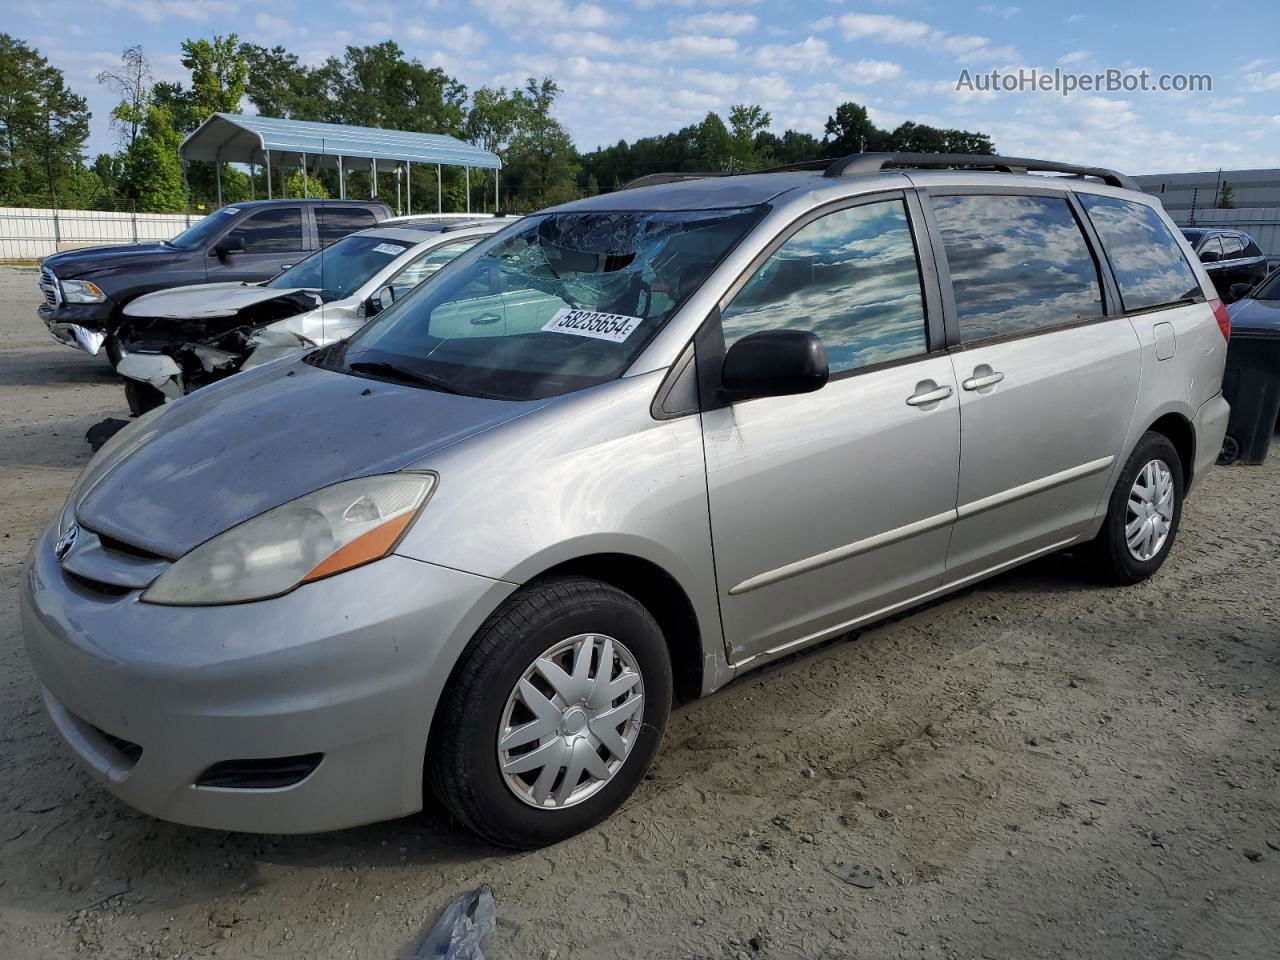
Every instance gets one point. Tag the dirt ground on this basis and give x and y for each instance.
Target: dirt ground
(1034, 768)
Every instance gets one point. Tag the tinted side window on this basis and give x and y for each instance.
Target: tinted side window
(274, 230)
(1232, 247)
(334, 223)
(1211, 250)
(1146, 259)
(1017, 264)
(851, 277)
(1251, 249)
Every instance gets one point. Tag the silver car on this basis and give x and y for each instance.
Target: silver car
(620, 452)
(177, 340)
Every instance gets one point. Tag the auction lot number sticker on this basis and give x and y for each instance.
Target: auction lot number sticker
(587, 323)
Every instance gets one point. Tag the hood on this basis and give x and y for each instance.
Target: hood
(251, 442)
(1259, 315)
(204, 301)
(88, 260)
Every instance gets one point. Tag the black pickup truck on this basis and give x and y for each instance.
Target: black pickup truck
(85, 290)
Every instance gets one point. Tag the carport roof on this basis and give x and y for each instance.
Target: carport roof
(236, 138)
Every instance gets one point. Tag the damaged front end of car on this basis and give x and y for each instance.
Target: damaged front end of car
(166, 357)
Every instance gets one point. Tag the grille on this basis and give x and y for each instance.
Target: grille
(127, 748)
(49, 287)
(269, 773)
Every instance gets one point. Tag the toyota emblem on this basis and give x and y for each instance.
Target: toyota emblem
(66, 542)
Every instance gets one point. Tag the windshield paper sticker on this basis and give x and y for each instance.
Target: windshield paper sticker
(599, 326)
(390, 248)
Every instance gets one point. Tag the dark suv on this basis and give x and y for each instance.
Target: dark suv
(1230, 257)
(84, 290)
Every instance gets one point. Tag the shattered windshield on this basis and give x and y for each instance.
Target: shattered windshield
(560, 302)
(342, 268)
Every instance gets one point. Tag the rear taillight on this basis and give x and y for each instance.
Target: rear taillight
(1224, 319)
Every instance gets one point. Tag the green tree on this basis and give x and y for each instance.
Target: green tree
(1226, 196)
(43, 125)
(152, 173)
(219, 74)
(131, 82)
(541, 160)
(493, 118)
(746, 122)
(912, 137)
(850, 130)
(298, 184)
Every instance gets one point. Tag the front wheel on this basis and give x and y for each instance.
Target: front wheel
(553, 714)
(1143, 513)
(114, 349)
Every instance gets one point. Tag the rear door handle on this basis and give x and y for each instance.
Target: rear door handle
(929, 396)
(977, 383)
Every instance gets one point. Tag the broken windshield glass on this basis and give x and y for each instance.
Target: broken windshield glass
(556, 303)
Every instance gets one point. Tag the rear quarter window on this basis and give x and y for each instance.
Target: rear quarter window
(1148, 262)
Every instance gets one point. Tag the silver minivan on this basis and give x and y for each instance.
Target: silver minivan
(619, 452)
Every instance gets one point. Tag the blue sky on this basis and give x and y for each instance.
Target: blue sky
(648, 66)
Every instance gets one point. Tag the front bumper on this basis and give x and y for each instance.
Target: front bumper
(350, 667)
(81, 325)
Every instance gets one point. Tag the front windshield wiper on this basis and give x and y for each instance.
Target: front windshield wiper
(404, 375)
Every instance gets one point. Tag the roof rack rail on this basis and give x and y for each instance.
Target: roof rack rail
(657, 179)
(861, 163)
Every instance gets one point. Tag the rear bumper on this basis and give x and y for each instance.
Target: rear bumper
(350, 667)
(1210, 426)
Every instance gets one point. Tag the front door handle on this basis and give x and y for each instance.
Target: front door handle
(929, 396)
(987, 380)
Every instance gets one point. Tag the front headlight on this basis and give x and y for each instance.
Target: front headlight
(323, 533)
(81, 291)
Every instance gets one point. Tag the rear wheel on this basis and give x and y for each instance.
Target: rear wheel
(1142, 515)
(553, 713)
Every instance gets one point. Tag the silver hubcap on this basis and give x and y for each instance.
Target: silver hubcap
(571, 721)
(1150, 515)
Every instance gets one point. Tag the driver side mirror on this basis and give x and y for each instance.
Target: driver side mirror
(1238, 291)
(229, 245)
(379, 301)
(774, 363)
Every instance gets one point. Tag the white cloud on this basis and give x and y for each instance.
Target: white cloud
(457, 40)
(1263, 82)
(587, 41)
(1075, 56)
(1075, 18)
(515, 15)
(716, 24)
(693, 47)
(886, 28)
(998, 11)
(807, 55)
(158, 11)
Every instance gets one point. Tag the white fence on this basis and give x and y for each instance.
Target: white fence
(29, 233)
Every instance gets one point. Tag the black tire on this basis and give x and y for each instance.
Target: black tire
(141, 396)
(1109, 554)
(114, 350)
(462, 761)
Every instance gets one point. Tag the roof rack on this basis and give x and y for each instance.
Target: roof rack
(657, 179)
(864, 163)
(860, 163)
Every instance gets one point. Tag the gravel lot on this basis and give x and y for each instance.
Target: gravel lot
(1034, 768)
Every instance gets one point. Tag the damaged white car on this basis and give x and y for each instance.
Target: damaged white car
(178, 340)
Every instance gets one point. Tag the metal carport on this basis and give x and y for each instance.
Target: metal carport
(236, 138)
